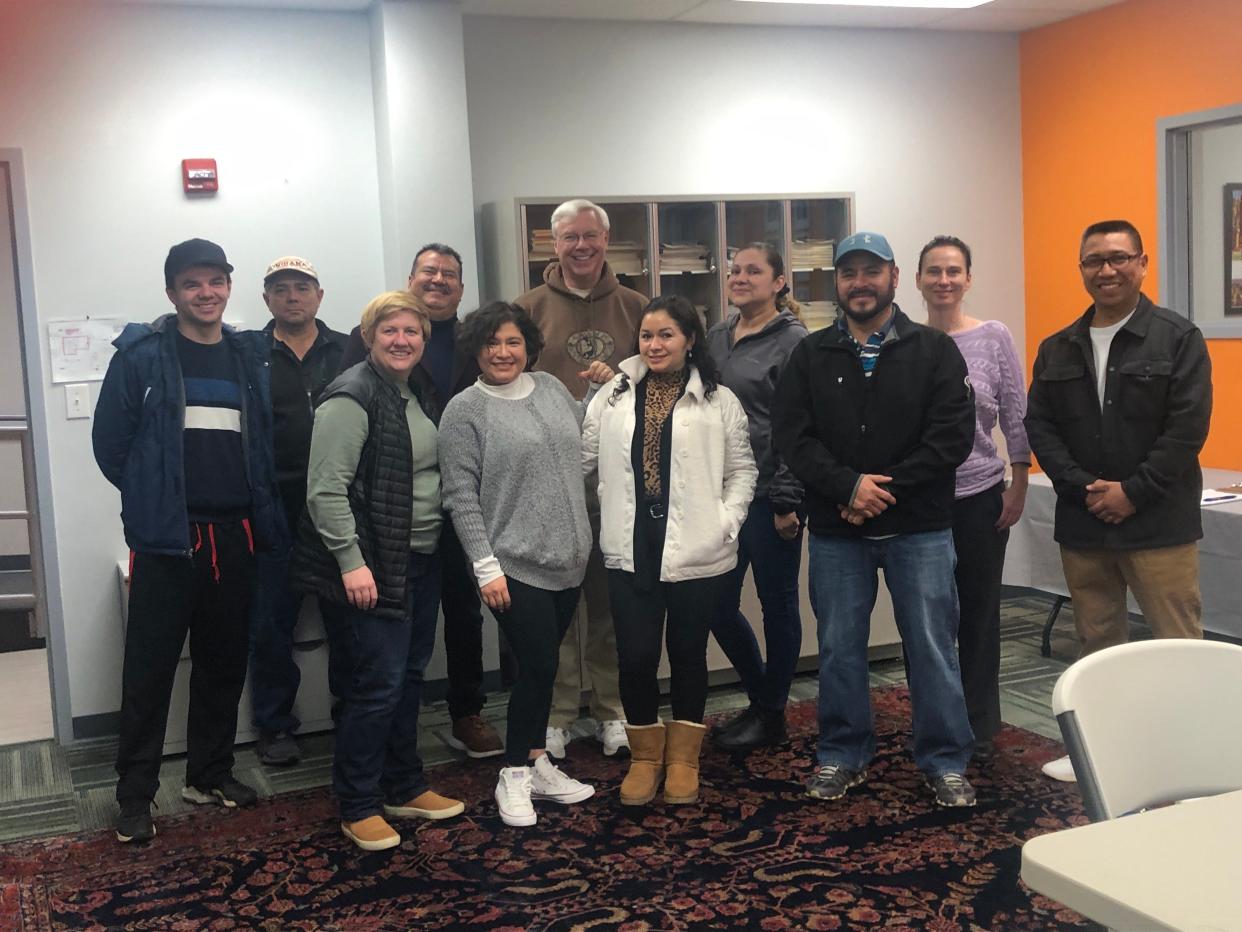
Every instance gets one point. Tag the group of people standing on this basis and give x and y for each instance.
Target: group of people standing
(581, 444)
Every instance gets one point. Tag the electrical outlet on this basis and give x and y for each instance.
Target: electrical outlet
(77, 400)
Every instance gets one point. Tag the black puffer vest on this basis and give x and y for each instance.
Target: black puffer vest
(379, 495)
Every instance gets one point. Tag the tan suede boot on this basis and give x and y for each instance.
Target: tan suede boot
(681, 755)
(646, 764)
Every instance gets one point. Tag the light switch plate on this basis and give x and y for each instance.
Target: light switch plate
(77, 400)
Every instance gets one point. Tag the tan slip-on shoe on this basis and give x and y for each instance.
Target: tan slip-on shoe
(427, 805)
(371, 834)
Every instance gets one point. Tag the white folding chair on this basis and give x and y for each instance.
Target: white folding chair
(1152, 722)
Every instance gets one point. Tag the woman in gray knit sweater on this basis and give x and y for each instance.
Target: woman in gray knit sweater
(510, 454)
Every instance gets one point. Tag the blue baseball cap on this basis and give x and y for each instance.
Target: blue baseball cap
(873, 243)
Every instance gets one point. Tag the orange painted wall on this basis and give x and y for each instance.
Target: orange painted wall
(1092, 90)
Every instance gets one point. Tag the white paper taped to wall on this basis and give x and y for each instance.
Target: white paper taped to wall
(81, 349)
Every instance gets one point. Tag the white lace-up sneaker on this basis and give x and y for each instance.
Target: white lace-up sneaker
(549, 782)
(555, 740)
(1060, 769)
(611, 734)
(513, 791)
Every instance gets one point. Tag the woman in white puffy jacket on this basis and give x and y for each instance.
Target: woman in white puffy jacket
(676, 474)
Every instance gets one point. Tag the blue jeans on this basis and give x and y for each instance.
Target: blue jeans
(775, 564)
(918, 569)
(377, 758)
(274, 674)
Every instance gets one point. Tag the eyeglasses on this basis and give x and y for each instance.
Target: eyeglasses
(1117, 260)
(591, 237)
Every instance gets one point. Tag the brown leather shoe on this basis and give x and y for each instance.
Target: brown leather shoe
(427, 805)
(476, 737)
(371, 834)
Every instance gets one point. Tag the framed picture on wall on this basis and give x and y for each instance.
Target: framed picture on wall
(1233, 249)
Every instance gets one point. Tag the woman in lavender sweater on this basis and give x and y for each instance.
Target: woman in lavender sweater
(984, 509)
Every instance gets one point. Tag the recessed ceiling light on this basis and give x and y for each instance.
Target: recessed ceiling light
(920, 4)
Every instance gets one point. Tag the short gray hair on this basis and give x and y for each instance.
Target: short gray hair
(572, 208)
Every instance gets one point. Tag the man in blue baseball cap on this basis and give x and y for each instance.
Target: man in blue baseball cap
(873, 415)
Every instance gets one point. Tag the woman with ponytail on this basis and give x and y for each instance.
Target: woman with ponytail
(669, 447)
(984, 508)
(749, 348)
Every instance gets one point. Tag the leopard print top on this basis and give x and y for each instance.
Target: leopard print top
(663, 390)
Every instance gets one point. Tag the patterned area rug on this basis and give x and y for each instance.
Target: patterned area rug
(753, 853)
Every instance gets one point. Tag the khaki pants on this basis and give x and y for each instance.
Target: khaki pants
(599, 671)
(1164, 580)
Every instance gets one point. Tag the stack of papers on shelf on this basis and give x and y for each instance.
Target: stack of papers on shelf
(541, 246)
(625, 257)
(811, 254)
(684, 257)
(818, 314)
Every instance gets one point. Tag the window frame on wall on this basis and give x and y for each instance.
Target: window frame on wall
(1176, 207)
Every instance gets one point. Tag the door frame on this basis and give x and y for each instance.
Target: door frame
(48, 588)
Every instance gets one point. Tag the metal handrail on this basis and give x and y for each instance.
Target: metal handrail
(17, 425)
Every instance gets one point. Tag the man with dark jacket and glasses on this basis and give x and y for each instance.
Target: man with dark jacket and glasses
(1118, 410)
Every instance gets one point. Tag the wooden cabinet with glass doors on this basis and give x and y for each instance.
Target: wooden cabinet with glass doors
(684, 245)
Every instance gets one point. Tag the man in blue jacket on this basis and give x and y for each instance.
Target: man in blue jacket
(183, 428)
(873, 414)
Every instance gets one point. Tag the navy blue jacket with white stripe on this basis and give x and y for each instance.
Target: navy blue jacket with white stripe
(137, 436)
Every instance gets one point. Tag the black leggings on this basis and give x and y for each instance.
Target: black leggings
(534, 625)
(639, 620)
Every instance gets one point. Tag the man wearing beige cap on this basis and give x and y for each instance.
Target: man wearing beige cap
(305, 356)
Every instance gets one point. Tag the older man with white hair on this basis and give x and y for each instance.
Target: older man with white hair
(585, 314)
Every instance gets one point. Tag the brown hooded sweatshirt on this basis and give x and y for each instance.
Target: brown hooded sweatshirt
(576, 331)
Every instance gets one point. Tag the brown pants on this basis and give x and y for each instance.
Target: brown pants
(597, 644)
(1164, 580)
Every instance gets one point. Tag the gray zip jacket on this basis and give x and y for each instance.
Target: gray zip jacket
(751, 369)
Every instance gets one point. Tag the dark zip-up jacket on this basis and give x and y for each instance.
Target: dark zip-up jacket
(751, 368)
(296, 387)
(379, 495)
(1157, 407)
(138, 436)
(913, 420)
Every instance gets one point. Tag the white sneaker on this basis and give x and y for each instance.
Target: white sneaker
(611, 734)
(1060, 769)
(549, 782)
(555, 740)
(513, 796)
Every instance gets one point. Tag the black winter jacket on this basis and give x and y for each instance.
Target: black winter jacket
(296, 387)
(751, 369)
(138, 437)
(913, 420)
(1157, 406)
(379, 495)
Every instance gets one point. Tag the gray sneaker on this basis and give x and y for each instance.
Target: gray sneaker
(832, 781)
(278, 750)
(952, 790)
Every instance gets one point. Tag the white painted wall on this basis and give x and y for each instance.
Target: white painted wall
(418, 65)
(922, 126)
(1215, 160)
(104, 101)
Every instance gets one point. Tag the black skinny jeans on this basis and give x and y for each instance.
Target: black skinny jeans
(639, 617)
(534, 625)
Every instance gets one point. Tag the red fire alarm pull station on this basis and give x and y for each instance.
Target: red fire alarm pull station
(199, 176)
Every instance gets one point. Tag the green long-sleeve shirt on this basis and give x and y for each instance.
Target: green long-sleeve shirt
(336, 445)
